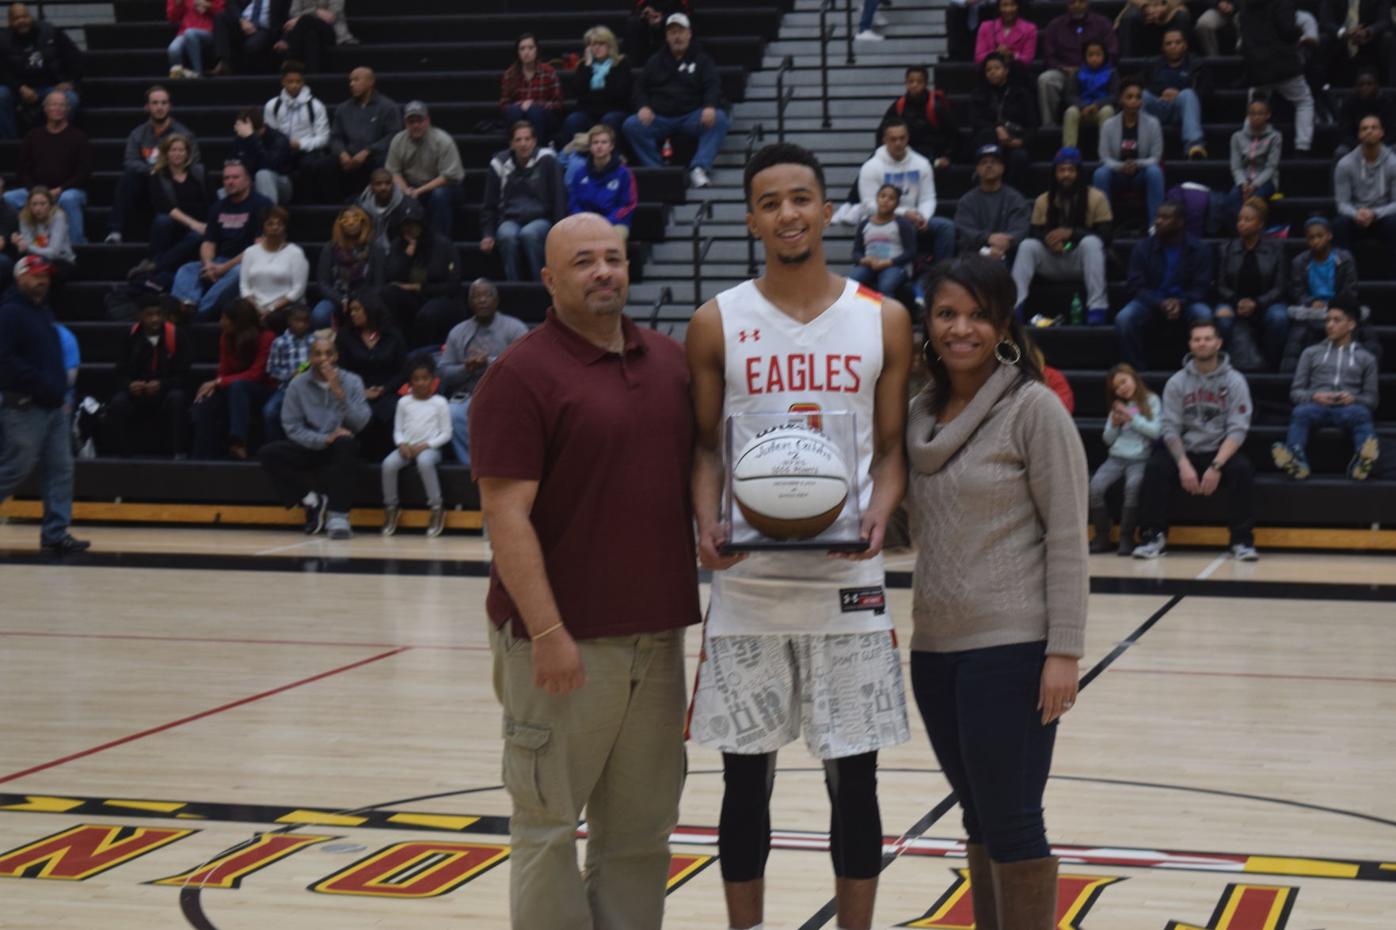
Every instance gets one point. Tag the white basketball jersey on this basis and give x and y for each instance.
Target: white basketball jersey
(775, 364)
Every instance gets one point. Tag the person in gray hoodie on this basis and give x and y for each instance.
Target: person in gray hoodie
(1335, 385)
(992, 218)
(1206, 416)
(384, 202)
(1364, 189)
(1255, 161)
(314, 466)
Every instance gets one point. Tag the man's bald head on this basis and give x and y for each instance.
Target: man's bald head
(361, 82)
(587, 272)
(484, 299)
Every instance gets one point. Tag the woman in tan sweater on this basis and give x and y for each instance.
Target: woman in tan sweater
(998, 501)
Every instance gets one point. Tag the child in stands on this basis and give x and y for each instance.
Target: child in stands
(290, 353)
(422, 426)
(1090, 93)
(1130, 431)
(884, 247)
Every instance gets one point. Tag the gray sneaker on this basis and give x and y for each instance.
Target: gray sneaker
(390, 519)
(437, 523)
(1244, 552)
(1151, 548)
(338, 525)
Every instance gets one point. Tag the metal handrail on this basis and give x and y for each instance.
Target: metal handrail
(700, 249)
(666, 296)
(757, 134)
(848, 14)
(783, 97)
(826, 35)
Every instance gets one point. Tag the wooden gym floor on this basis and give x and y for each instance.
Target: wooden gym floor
(241, 729)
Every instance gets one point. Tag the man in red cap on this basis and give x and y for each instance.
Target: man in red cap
(34, 428)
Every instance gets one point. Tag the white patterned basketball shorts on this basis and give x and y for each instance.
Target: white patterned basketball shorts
(756, 693)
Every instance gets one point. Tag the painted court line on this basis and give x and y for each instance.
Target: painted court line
(199, 716)
(1215, 564)
(304, 542)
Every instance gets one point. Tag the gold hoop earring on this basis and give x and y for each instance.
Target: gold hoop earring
(1017, 352)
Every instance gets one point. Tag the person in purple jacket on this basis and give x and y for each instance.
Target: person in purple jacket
(604, 185)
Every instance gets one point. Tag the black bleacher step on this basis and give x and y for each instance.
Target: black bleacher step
(153, 11)
(1269, 392)
(1090, 347)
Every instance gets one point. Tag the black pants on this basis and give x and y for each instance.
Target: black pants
(236, 50)
(1161, 483)
(316, 177)
(295, 471)
(425, 321)
(308, 42)
(980, 710)
(145, 424)
(132, 194)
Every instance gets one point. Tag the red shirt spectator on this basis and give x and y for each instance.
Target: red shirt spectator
(185, 14)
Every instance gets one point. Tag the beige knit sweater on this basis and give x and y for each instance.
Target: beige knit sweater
(998, 512)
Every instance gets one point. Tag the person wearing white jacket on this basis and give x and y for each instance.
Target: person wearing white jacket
(895, 163)
(421, 427)
(274, 272)
(305, 120)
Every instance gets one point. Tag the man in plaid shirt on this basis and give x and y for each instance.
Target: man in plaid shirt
(290, 352)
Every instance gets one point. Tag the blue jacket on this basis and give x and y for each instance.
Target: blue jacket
(610, 192)
(31, 354)
(1145, 279)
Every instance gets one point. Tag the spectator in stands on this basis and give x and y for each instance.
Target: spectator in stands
(193, 22)
(38, 59)
(525, 194)
(226, 405)
(1071, 227)
(9, 225)
(298, 115)
(884, 248)
(605, 185)
(993, 217)
(180, 200)
(1270, 54)
(384, 202)
(679, 91)
(894, 163)
(644, 31)
(273, 272)
(1130, 432)
(1170, 275)
(1090, 93)
(350, 263)
(1367, 99)
(310, 31)
(869, 18)
(289, 353)
(139, 158)
(426, 166)
(603, 85)
(1251, 292)
(471, 347)
(245, 32)
(1320, 277)
(314, 466)
(43, 232)
(1206, 416)
(1002, 113)
(1131, 150)
(58, 156)
(1008, 34)
(36, 428)
(1364, 190)
(1063, 52)
(1052, 377)
(372, 348)
(1335, 385)
(929, 118)
(1144, 23)
(529, 89)
(1361, 31)
(423, 275)
(1220, 15)
(364, 127)
(1177, 83)
(232, 226)
(153, 369)
(1255, 159)
(421, 428)
(266, 154)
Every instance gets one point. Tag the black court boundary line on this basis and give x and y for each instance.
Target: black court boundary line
(479, 568)
(830, 909)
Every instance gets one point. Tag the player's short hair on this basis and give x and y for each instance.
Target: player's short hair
(781, 153)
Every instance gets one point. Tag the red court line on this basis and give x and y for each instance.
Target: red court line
(199, 716)
(241, 641)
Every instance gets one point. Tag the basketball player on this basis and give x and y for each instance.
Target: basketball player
(796, 641)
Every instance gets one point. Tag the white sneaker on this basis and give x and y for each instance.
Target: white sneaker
(848, 214)
(1151, 548)
(338, 526)
(879, 19)
(698, 178)
(868, 35)
(1242, 552)
(113, 238)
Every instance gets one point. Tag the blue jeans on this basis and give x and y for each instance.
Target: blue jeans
(172, 243)
(72, 202)
(865, 21)
(1272, 323)
(1133, 322)
(188, 49)
(39, 436)
(644, 140)
(440, 207)
(885, 281)
(189, 288)
(1150, 178)
(980, 710)
(941, 232)
(271, 416)
(539, 116)
(529, 238)
(9, 118)
(225, 416)
(1184, 108)
(582, 122)
(1355, 418)
(460, 430)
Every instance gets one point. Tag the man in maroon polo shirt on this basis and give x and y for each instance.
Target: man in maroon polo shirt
(581, 436)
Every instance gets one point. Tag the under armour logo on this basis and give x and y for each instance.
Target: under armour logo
(753, 334)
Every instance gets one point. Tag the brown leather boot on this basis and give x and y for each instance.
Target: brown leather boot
(1026, 894)
(981, 888)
